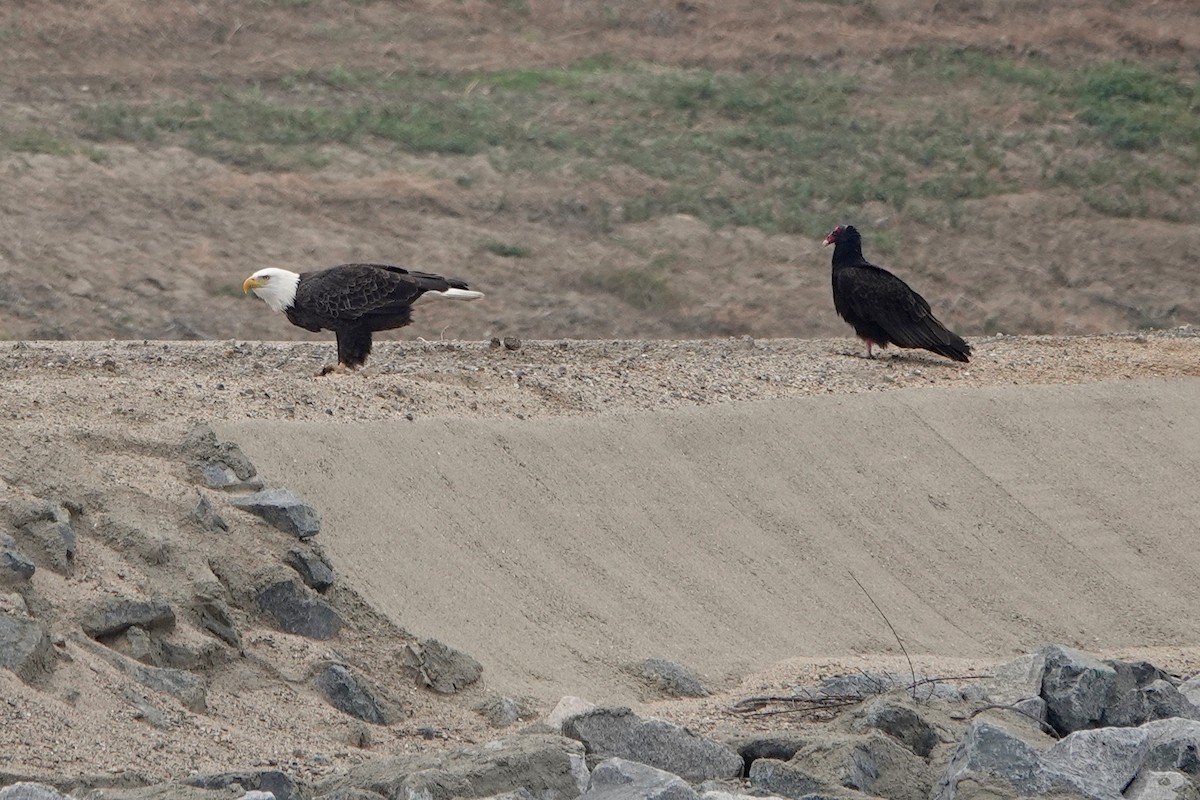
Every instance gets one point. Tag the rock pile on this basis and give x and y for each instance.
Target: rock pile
(1056, 723)
(1053, 724)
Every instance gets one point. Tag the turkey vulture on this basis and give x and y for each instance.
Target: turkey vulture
(881, 307)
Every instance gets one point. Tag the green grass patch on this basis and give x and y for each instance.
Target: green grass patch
(1134, 108)
(504, 249)
(791, 151)
(40, 141)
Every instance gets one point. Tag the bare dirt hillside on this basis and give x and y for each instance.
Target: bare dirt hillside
(134, 204)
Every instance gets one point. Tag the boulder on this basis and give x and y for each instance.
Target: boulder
(282, 509)
(277, 783)
(566, 708)
(1152, 785)
(25, 648)
(991, 756)
(617, 732)
(442, 668)
(288, 605)
(1014, 681)
(185, 686)
(51, 543)
(875, 764)
(215, 618)
(110, 617)
(313, 568)
(1141, 693)
(1174, 745)
(207, 516)
(501, 711)
(16, 569)
(203, 449)
(669, 677)
(1076, 688)
(349, 693)
(782, 778)
(550, 767)
(993, 761)
(618, 779)
(31, 791)
(1100, 762)
(901, 721)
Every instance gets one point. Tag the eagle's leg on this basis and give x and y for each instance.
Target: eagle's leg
(338, 368)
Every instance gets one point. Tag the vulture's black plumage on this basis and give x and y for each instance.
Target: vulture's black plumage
(352, 300)
(882, 308)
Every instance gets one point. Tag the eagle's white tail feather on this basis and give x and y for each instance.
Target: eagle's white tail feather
(451, 294)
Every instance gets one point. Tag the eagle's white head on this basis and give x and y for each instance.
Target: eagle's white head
(277, 287)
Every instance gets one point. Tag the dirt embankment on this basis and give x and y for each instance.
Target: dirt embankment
(668, 431)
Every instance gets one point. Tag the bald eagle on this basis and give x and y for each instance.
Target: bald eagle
(352, 300)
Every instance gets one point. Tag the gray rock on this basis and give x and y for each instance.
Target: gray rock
(1191, 690)
(1076, 688)
(567, 706)
(217, 475)
(993, 762)
(207, 516)
(145, 710)
(215, 618)
(16, 569)
(51, 542)
(31, 791)
(619, 733)
(501, 711)
(268, 780)
(180, 684)
(863, 684)
(874, 764)
(137, 643)
(1174, 745)
(900, 721)
(669, 677)
(283, 509)
(313, 568)
(351, 694)
(1152, 785)
(618, 779)
(1015, 681)
(442, 668)
(288, 605)
(202, 448)
(1130, 701)
(1100, 762)
(111, 617)
(782, 777)
(551, 767)
(25, 648)
(1164, 700)
(989, 755)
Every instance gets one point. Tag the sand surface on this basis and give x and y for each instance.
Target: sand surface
(561, 509)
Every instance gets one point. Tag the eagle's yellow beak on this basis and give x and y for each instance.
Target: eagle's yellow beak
(252, 283)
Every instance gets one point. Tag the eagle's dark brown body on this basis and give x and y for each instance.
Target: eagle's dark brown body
(355, 300)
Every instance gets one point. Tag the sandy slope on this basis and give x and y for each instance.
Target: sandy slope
(1046, 471)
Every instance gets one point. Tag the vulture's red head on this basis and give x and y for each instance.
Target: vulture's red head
(842, 233)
